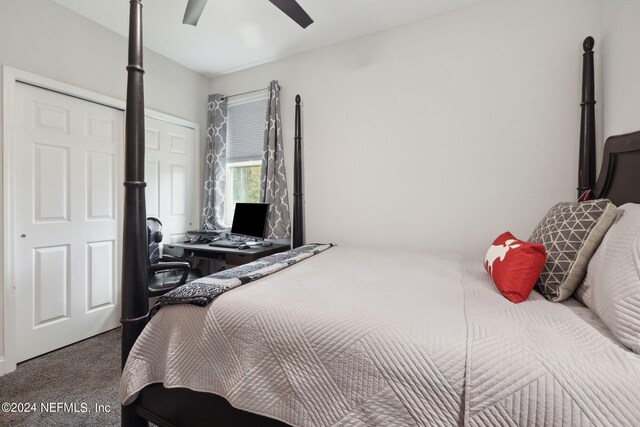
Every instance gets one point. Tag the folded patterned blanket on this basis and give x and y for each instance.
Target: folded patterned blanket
(202, 291)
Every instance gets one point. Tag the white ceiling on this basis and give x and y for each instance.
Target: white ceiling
(237, 34)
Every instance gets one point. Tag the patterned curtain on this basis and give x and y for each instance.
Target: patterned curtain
(273, 183)
(214, 177)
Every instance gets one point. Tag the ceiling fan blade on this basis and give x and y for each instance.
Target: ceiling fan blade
(292, 9)
(193, 11)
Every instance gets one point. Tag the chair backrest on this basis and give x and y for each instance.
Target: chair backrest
(154, 237)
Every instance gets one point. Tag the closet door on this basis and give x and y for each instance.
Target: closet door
(170, 176)
(65, 212)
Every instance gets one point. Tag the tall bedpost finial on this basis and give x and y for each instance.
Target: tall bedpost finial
(588, 44)
(587, 167)
(298, 227)
(135, 269)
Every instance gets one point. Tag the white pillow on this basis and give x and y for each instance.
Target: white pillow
(611, 288)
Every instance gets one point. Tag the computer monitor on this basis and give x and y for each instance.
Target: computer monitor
(250, 219)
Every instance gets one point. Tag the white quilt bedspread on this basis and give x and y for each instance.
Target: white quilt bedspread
(358, 337)
(539, 363)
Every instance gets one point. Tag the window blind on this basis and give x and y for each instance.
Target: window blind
(245, 130)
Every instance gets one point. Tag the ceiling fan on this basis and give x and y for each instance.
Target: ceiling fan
(290, 7)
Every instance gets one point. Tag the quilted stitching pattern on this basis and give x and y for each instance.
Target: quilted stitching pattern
(316, 345)
(429, 343)
(570, 232)
(541, 364)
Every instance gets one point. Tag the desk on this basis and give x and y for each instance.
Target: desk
(229, 257)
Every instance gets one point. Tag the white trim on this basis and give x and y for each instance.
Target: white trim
(10, 77)
(8, 87)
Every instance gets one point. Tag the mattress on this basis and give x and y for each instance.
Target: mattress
(362, 337)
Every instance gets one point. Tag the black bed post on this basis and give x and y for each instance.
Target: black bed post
(135, 299)
(587, 167)
(298, 227)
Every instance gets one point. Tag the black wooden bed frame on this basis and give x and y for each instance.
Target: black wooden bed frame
(183, 407)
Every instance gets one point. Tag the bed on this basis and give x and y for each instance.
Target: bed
(428, 341)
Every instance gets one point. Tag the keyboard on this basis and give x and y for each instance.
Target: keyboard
(226, 244)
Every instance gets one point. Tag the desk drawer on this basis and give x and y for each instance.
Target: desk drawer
(173, 251)
(234, 260)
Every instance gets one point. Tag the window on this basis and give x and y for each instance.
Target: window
(245, 142)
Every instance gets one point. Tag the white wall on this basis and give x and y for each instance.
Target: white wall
(621, 66)
(44, 38)
(439, 134)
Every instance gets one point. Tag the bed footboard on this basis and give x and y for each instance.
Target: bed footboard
(168, 407)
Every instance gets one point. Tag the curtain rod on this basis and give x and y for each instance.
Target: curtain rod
(245, 93)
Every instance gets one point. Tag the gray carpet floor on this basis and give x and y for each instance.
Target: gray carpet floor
(83, 373)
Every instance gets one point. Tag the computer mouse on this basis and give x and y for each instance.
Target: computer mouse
(243, 247)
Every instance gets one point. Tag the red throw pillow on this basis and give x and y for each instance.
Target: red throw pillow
(514, 266)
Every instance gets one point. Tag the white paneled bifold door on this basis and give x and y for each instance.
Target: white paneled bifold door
(170, 175)
(65, 205)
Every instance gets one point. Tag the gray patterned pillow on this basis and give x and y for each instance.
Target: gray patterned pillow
(571, 233)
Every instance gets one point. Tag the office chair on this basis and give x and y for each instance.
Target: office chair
(166, 272)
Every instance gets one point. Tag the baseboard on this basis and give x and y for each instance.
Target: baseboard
(2, 372)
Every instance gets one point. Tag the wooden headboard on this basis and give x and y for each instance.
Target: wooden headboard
(619, 179)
